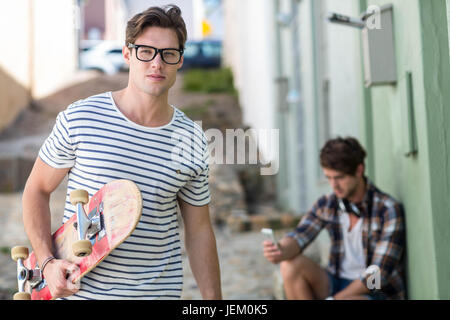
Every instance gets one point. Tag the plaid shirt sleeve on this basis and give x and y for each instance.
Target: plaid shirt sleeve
(309, 226)
(389, 248)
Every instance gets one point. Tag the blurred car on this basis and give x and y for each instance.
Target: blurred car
(105, 56)
(202, 54)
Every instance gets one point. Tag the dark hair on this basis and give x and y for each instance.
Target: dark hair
(344, 155)
(165, 17)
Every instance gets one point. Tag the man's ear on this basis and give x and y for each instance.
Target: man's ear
(180, 64)
(126, 52)
(360, 170)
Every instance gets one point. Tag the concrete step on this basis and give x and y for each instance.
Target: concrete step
(16, 161)
(239, 221)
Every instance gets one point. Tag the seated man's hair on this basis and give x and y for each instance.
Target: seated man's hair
(343, 155)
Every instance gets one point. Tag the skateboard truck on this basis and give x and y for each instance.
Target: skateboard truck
(87, 227)
(94, 220)
(33, 277)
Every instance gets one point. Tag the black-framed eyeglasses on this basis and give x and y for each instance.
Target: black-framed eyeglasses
(148, 53)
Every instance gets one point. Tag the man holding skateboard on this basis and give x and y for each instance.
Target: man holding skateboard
(367, 232)
(132, 134)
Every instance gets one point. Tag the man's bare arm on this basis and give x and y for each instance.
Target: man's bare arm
(42, 181)
(355, 290)
(201, 248)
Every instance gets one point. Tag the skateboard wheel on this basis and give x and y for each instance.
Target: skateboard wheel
(22, 296)
(82, 248)
(19, 253)
(79, 195)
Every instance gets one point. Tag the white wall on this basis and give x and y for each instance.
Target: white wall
(116, 20)
(344, 62)
(248, 49)
(55, 45)
(39, 49)
(15, 60)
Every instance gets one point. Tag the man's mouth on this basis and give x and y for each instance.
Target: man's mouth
(156, 77)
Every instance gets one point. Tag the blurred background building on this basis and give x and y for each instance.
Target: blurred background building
(315, 80)
(48, 42)
(40, 52)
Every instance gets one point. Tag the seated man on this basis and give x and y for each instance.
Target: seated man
(366, 228)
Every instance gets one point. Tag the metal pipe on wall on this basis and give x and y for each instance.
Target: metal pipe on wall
(295, 98)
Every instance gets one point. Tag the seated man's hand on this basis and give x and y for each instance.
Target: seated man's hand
(288, 249)
(271, 252)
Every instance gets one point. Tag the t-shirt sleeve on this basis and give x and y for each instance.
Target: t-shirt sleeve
(58, 150)
(196, 191)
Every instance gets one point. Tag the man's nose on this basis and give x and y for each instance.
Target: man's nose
(157, 61)
(334, 183)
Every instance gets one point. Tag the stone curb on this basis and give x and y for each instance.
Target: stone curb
(257, 222)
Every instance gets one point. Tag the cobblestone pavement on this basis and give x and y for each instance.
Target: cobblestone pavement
(245, 274)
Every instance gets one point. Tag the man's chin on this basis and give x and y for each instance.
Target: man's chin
(340, 195)
(154, 92)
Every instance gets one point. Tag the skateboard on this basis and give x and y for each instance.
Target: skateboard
(85, 239)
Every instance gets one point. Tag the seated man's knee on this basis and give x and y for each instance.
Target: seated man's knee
(292, 268)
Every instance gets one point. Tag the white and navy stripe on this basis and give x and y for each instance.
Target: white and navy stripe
(99, 144)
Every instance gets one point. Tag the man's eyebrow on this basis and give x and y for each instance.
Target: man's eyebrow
(335, 177)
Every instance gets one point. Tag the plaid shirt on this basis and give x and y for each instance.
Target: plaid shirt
(383, 236)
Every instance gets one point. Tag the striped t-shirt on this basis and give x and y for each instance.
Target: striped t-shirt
(99, 144)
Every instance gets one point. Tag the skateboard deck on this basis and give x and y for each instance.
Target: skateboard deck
(119, 206)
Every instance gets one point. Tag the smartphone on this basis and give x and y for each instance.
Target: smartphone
(268, 233)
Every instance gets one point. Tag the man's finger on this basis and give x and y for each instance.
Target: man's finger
(73, 287)
(271, 249)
